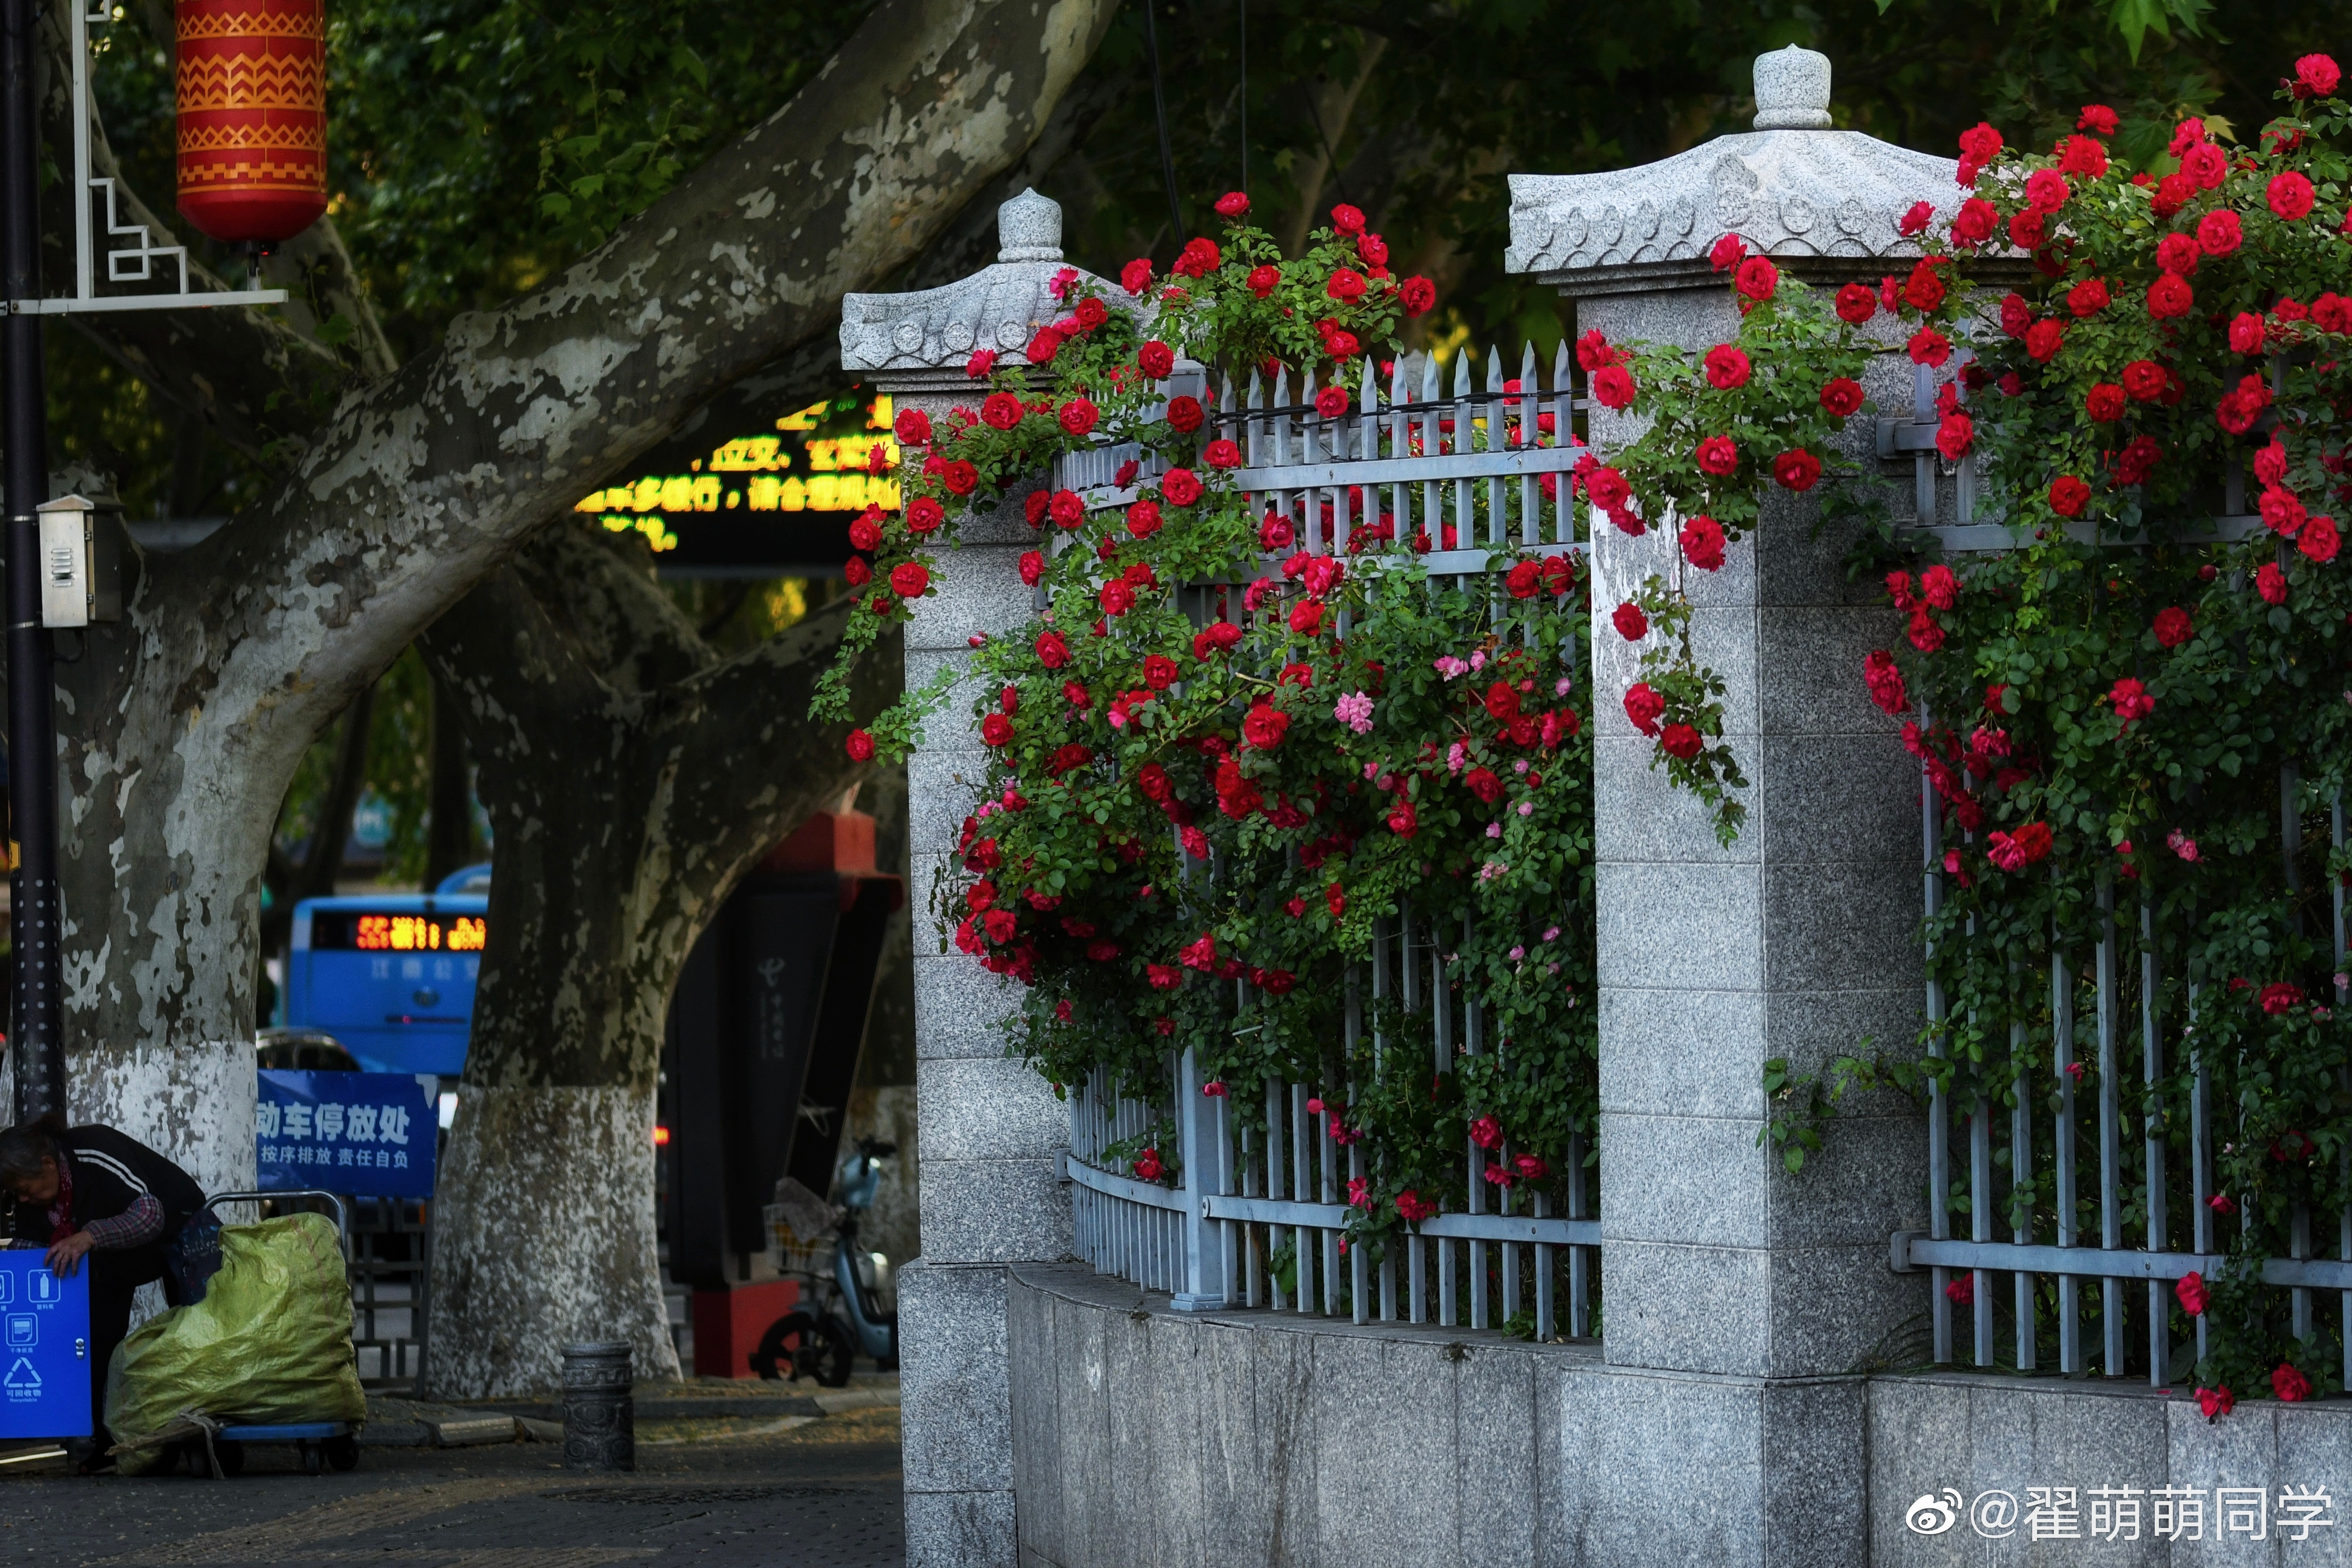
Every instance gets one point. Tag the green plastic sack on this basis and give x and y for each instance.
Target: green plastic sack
(271, 1344)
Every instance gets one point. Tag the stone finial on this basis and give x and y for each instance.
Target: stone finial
(1792, 90)
(1029, 226)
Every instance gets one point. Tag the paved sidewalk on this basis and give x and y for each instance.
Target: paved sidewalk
(759, 1490)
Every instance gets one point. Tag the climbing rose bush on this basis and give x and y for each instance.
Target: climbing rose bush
(1199, 810)
(2122, 717)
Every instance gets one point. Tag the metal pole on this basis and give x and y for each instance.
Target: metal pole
(38, 1057)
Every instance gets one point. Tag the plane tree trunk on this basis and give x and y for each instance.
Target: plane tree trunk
(182, 724)
(630, 776)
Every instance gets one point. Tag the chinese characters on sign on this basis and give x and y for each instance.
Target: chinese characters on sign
(2123, 1513)
(365, 1133)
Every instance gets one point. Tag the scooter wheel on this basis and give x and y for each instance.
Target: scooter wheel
(343, 1453)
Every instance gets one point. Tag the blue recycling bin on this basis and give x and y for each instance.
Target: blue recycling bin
(43, 1349)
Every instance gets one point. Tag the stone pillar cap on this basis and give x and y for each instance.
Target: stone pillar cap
(1000, 307)
(1793, 187)
(1792, 90)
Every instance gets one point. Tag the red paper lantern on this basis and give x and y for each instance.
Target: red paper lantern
(252, 90)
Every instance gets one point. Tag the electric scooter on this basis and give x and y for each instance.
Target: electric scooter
(844, 1316)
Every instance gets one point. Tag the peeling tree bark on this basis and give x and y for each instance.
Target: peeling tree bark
(632, 777)
(183, 724)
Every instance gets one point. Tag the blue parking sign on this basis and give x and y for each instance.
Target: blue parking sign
(368, 1134)
(43, 1349)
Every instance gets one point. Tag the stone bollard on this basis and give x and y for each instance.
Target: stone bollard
(600, 1429)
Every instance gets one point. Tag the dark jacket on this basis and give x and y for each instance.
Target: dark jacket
(110, 1170)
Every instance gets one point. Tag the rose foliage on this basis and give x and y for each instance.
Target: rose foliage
(1202, 807)
(2135, 731)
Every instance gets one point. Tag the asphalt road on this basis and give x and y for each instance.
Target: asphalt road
(823, 1494)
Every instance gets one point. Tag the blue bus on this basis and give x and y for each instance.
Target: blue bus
(391, 976)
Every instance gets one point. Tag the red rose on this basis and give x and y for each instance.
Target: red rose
(2028, 230)
(1231, 205)
(1200, 258)
(959, 476)
(2087, 298)
(1419, 296)
(1067, 509)
(2170, 295)
(2173, 627)
(860, 746)
(1644, 706)
(1757, 279)
(1885, 682)
(1053, 651)
(1373, 250)
(1955, 434)
(1115, 597)
(1915, 219)
(923, 514)
(1843, 397)
(2104, 403)
(2190, 1290)
(1184, 415)
(1331, 401)
(1404, 821)
(1924, 289)
(1727, 367)
(1701, 544)
(1044, 346)
(1180, 487)
(1346, 219)
(2215, 1402)
(2289, 1385)
(1976, 221)
(1135, 276)
(1981, 143)
(1003, 410)
(1143, 518)
(1523, 580)
(2271, 584)
(1347, 286)
(2319, 540)
(2290, 195)
(1718, 455)
(1631, 623)
(2206, 165)
(913, 427)
(1613, 387)
(2016, 315)
(1485, 783)
(2138, 461)
(910, 578)
(2043, 339)
(1155, 359)
(1264, 725)
(1796, 471)
(1682, 741)
(996, 730)
(1307, 617)
(1856, 304)
(1222, 454)
(2046, 191)
(2178, 253)
(864, 534)
(1263, 280)
(1939, 587)
(2144, 380)
(856, 571)
(1502, 701)
(2131, 700)
(1078, 416)
(2082, 156)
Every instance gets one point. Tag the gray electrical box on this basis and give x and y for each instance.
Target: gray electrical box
(81, 574)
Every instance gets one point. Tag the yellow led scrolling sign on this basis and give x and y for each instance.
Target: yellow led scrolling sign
(754, 473)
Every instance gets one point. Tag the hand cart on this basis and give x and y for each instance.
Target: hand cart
(318, 1444)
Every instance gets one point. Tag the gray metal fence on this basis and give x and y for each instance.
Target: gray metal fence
(1253, 1212)
(2002, 1157)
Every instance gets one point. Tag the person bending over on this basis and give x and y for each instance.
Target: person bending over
(94, 1193)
